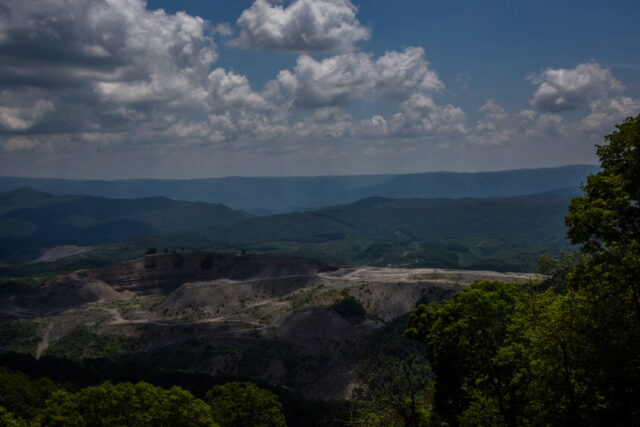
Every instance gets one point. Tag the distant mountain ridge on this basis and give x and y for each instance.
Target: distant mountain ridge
(32, 222)
(284, 194)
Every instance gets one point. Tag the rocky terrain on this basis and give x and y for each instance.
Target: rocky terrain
(253, 316)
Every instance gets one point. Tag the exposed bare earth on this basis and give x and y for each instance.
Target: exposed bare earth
(58, 252)
(251, 316)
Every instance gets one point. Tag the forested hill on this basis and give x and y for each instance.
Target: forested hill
(528, 218)
(282, 194)
(33, 222)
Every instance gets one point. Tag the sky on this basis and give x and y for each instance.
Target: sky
(118, 89)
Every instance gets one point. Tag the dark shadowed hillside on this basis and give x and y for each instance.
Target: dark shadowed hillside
(532, 218)
(32, 220)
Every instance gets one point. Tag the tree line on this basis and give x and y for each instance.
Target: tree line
(40, 402)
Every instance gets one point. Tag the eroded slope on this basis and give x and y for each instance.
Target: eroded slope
(260, 317)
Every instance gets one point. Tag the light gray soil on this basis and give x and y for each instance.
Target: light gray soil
(58, 252)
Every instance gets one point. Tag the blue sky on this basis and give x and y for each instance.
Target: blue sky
(489, 46)
(118, 88)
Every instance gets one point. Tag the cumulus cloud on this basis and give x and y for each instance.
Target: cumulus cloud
(326, 122)
(421, 116)
(494, 126)
(337, 80)
(112, 72)
(301, 26)
(76, 42)
(497, 126)
(588, 86)
(418, 117)
(98, 62)
(606, 112)
(340, 79)
(401, 73)
(75, 74)
(569, 89)
(230, 90)
(113, 67)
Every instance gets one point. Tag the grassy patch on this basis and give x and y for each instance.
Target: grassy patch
(85, 342)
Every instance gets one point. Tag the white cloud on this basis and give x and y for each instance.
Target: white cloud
(113, 66)
(569, 89)
(420, 116)
(302, 26)
(326, 122)
(340, 79)
(337, 80)
(607, 112)
(401, 73)
(76, 74)
(228, 90)
(587, 86)
(96, 63)
(224, 29)
(113, 73)
(106, 40)
(498, 127)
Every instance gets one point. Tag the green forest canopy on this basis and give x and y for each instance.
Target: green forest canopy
(505, 354)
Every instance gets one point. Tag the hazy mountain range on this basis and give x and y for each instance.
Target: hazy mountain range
(264, 195)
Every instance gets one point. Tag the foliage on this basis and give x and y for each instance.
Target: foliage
(463, 337)
(74, 376)
(533, 218)
(84, 341)
(606, 218)
(125, 404)
(606, 285)
(557, 269)
(464, 252)
(21, 396)
(32, 223)
(239, 404)
(568, 352)
(398, 393)
(102, 256)
(508, 233)
(7, 419)
(19, 335)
